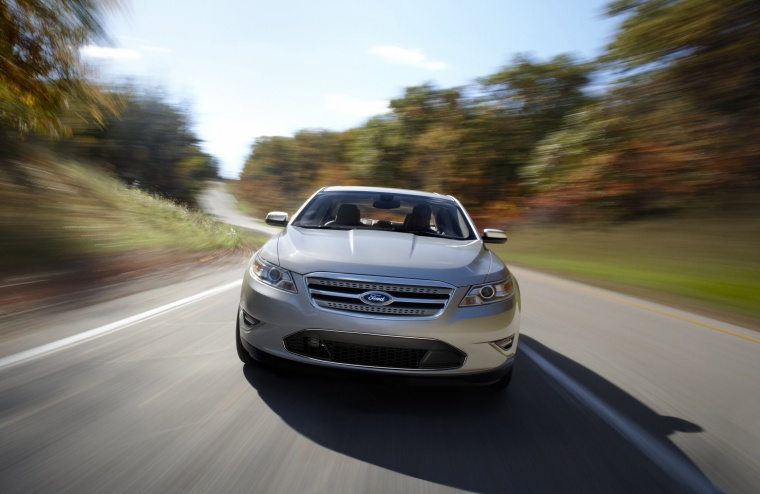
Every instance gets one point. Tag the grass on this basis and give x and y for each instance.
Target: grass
(710, 264)
(52, 212)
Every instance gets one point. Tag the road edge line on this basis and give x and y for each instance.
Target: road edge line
(677, 468)
(20, 357)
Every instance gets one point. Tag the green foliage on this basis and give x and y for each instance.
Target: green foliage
(53, 212)
(151, 145)
(284, 169)
(40, 69)
(430, 123)
(376, 151)
(706, 55)
(44, 88)
(683, 122)
(541, 93)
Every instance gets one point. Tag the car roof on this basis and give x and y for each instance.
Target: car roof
(383, 190)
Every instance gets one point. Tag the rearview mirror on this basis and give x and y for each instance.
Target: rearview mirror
(387, 204)
(277, 218)
(492, 236)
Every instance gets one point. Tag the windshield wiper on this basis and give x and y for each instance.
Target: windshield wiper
(424, 233)
(326, 227)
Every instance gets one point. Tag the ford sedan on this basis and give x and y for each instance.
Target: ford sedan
(385, 281)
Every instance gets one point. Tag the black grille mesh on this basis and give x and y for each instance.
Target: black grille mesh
(378, 351)
(409, 300)
(375, 356)
(354, 354)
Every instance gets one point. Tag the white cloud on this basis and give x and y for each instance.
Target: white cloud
(356, 107)
(105, 53)
(415, 58)
(156, 49)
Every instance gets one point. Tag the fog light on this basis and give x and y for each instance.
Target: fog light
(506, 343)
(248, 320)
(312, 342)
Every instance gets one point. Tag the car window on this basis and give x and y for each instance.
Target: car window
(402, 213)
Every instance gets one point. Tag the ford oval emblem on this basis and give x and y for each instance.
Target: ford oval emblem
(376, 298)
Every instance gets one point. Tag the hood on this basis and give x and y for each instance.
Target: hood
(383, 253)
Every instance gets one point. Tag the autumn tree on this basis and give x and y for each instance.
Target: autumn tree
(516, 108)
(702, 58)
(431, 124)
(40, 67)
(281, 172)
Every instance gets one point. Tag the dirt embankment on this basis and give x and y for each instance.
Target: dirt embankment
(94, 279)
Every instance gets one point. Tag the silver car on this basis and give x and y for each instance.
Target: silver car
(386, 281)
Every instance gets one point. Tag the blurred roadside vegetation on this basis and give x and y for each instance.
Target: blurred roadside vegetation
(53, 212)
(52, 106)
(87, 170)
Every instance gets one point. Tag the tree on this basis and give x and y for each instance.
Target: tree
(40, 68)
(430, 124)
(377, 150)
(281, 171)
(273, 159)
(519, 106)
(705, 55)
(151, 145)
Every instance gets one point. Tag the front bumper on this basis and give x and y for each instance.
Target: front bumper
(465, 378)
(269, 316)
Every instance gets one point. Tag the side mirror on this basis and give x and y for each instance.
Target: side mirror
(491, 236)
(277, 218)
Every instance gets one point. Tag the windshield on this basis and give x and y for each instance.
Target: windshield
(420, 215)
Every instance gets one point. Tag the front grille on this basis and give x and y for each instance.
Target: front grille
(374, 351)
(409, 298)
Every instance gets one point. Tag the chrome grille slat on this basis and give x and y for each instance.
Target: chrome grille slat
(333, 294)
(377, 310)
(412, 298)
(380, 286)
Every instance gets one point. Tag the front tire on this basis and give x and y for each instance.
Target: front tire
(502, 383)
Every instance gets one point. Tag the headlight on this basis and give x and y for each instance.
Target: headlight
(272, 275)
(489, 293)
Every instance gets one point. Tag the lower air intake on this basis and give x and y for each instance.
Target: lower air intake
(364, 350)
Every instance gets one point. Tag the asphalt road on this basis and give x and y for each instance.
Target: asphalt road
(146, 394)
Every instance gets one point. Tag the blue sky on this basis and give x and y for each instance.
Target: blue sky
(253, 68)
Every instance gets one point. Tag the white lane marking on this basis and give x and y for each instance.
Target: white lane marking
(673, 465)
(115, 326)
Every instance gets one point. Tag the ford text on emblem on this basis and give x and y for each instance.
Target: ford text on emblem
(376, 298)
